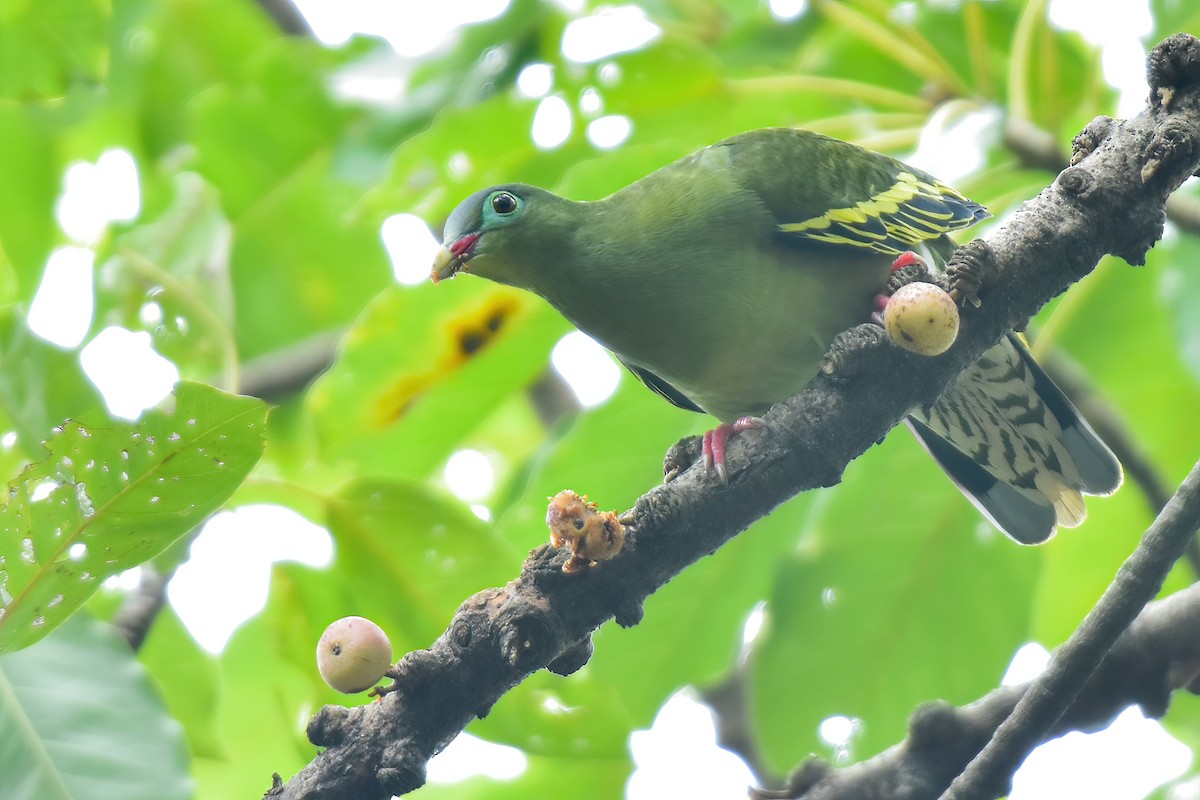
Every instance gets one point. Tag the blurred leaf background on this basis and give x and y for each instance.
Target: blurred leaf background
(256, 263)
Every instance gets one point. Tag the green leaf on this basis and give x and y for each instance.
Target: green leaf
(1181, 293)
(188, 678)
(303, 262)
(51, 46)
(41, 385)
(414, 555)
(31, 179)
(1132, 335)
(580, 778)
(484, 57)
(179, 261)
(422, 367)
(1173, 16)
(898, 593)
(265, 699)
(108, 498)
(82, 719)
(182, 50)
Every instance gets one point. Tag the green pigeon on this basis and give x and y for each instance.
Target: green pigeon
(721, 279)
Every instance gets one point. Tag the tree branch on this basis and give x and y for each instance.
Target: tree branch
(286, 17)
(1110, 201)
(1157, 655)
(730, 704)
(1039, 149)
(141, 606)
(990, 774)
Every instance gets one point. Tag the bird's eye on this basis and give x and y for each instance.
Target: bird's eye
(578, 524)
(504, 203)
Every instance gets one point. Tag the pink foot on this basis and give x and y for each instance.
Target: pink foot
(881, 301)
(907, 259)
(714, 441)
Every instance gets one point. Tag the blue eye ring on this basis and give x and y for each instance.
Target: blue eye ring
(504, 203)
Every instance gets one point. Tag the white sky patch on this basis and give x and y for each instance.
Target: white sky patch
(412, 29)
(1028, 662)
(459, 165)
(609, 74)
(469, 756)
(1117, 31)
(150, 314)
(42, 490)
(1186, 790)
(381, 80)
(410, 246)
(587, 368)
(954, 141)
(95, 195)
(128, 372)
(590, 102)
(61, 312)
(838, 732)
(784, 10)
(225, 580)
(755, 621)
(1101, 764)
(1095, 764)
(609, 131)
(125, 581)
(470, 475)
(535, 80)
(679, 757)
(609, 31)
(551, 123)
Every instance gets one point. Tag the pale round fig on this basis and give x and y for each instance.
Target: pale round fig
(921, 318)
(353, 654)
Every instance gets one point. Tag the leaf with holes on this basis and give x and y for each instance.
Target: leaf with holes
(109, 498)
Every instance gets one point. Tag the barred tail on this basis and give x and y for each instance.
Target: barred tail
(1015, 446)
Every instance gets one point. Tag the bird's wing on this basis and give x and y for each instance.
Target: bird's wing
(661, 387)
(901, 217)
(821, 189)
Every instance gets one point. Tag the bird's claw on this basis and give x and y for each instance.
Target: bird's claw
(680, 456)
(965, 271)
(962, 279)
(714, 442)
(847, 353)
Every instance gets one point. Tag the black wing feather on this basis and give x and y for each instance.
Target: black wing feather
(661, 387)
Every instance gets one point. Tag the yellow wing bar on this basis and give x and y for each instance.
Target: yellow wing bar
(909, 212)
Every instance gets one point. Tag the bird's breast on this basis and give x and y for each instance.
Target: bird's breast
(736, 322)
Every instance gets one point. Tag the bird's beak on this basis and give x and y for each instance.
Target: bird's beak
(451, 259)
(445, 264)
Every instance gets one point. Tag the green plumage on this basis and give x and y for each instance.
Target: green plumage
(721, 279)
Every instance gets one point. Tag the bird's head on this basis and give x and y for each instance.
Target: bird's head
(486, 231)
